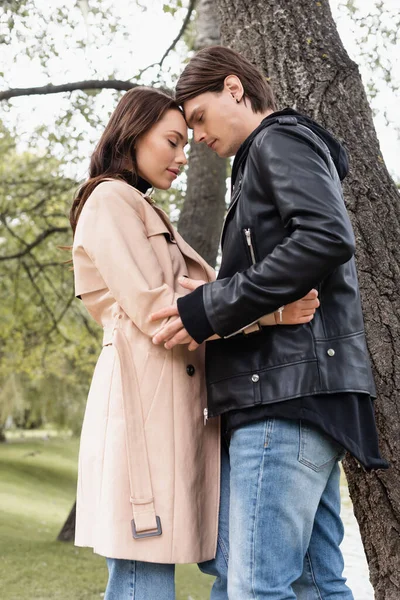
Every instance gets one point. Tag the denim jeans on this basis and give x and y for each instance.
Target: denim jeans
(285, 526)
(136, 580)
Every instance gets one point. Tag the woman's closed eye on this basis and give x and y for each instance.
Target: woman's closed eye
(173, 144)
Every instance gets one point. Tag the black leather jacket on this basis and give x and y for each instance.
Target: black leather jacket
(287, 231)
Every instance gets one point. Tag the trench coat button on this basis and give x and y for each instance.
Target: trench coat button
(190, 370)
(331, 352)
(255, 378)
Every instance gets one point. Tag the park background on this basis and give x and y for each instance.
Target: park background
(94, 50)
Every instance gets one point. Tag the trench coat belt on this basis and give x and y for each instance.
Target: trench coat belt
(145, 522)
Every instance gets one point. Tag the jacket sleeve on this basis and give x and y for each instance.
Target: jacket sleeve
(114, 237)
(291, 173)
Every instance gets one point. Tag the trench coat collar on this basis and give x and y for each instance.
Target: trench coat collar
(175, 237)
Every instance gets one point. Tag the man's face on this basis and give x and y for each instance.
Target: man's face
(218, 121)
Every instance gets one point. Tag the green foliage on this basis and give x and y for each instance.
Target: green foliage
(47, 342)
(172, 7)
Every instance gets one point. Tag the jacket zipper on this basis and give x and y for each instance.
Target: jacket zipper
(247, 233)
(249, 241)
(253, 258)
(235, 197)
(205, 413)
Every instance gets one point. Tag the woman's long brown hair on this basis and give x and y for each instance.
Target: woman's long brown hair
(114, 156)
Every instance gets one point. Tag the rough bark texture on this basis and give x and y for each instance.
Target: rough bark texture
(67, 532)
(297, 45)
(203, 211)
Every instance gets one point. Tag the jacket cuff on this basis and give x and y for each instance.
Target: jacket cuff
(194, 317)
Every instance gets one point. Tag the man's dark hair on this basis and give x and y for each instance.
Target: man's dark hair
(207, 70)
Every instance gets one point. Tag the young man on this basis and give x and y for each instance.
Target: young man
(293, 397)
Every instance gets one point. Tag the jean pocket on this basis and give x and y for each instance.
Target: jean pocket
(317, 450)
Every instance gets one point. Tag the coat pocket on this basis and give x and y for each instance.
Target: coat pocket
(151, 380)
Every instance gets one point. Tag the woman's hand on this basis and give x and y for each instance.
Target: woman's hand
(301, 311)
(190, 284)
(173, 333)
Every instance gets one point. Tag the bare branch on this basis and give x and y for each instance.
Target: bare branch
(36, 242)
(110, 84)
(11, 231)
(42, 266)
(58, 320)
(185, 23)
(94, 84)
(47, 308)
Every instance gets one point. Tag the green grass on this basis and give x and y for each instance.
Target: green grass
(37, 490)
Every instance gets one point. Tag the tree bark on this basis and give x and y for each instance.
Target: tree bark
(297, 45)
(67, 532)
(203, 211)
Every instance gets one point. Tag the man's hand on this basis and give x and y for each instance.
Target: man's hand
(301, 311)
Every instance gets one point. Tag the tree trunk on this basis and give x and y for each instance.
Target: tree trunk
(297, 45)
(67, 532)
(204, 207)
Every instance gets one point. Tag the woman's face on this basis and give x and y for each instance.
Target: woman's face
(160, 152)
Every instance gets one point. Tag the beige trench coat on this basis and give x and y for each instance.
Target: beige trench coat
(146, 458)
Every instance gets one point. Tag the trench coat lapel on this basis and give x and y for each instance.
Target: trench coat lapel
(183, 246)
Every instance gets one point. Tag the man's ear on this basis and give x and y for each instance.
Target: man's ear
(234, 86)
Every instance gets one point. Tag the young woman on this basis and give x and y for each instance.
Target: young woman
(149, 462)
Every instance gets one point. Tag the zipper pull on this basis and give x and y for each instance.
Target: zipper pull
(280, 311)
(205, 413)
(247, 233)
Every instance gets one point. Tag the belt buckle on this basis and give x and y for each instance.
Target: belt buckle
(139, 536)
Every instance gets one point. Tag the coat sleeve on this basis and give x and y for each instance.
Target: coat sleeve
(114, 236)
(289, 170)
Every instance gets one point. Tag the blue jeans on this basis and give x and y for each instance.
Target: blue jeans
(136, 580)
(285, 526)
